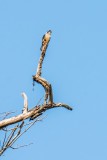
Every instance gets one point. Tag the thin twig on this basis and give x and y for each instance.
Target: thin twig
(21, 146)
(18, 136)
(4, 139)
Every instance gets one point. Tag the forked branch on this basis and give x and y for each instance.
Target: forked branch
(12, 134)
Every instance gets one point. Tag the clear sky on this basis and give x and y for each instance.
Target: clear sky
(75, 64)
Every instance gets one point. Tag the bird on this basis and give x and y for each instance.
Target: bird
(46, 38)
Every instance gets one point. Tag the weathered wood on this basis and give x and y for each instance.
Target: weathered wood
(34, 112)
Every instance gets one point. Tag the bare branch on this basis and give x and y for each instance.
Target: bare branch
(45, 41)
(5, 114)
(63, 105)
(25, 108)
(14, 133)
(19, 134)
(6, 144)
(48, 89)
(4, 139)
(21, 146)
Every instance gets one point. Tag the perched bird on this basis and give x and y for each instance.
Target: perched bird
(46, 38)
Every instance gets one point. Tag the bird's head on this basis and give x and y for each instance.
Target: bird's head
(49, 31)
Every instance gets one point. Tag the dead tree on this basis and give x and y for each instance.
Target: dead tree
(15, 126)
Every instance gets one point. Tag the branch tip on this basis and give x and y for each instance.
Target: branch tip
(25, 107)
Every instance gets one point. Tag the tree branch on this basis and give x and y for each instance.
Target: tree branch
(25, 108)
(36, 111)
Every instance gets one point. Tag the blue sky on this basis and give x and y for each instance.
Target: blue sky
(76, 66)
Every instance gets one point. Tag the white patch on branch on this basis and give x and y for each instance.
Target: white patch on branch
(25, 107)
